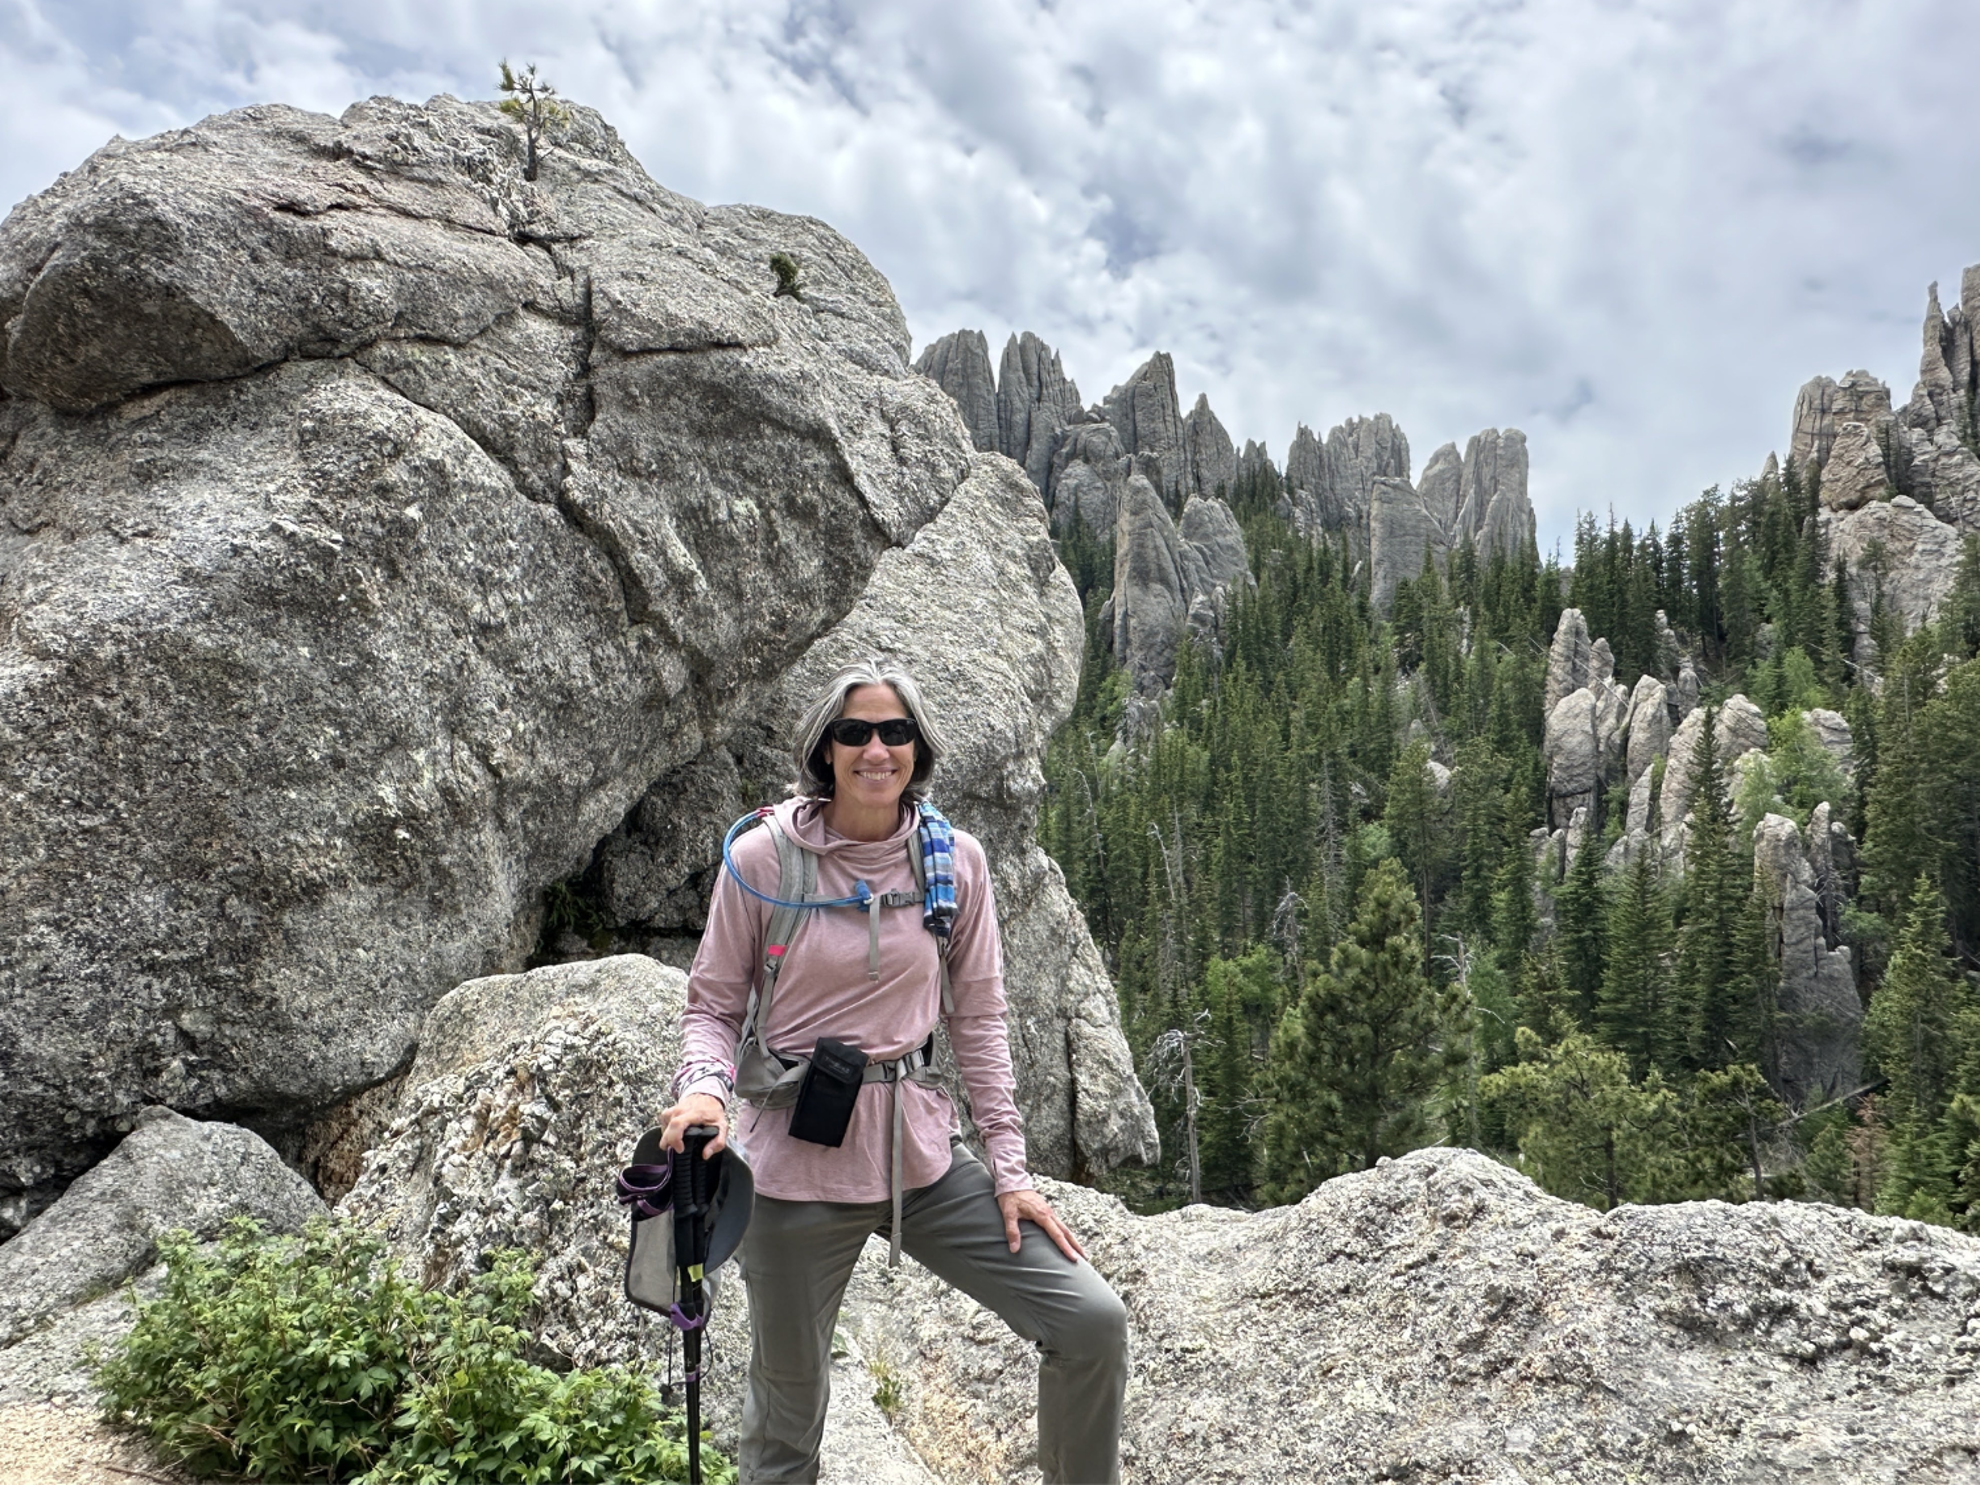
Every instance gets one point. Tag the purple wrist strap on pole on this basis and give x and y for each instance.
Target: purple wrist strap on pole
(644, 1187)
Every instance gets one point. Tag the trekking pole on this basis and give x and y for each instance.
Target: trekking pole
(690, 1316)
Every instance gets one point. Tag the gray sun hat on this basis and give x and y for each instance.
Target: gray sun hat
(653, 1276)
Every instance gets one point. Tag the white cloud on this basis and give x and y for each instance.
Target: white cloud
(1630, 228)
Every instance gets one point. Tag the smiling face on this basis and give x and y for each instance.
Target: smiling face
(869, 779)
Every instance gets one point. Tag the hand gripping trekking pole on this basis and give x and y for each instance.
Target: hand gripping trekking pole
(690, 1316)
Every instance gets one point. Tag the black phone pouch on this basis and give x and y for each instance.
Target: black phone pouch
(828, 1092)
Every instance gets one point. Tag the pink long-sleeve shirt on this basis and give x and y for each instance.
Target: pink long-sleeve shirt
(824, 990)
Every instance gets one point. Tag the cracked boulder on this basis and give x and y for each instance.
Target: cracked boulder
(375, 527)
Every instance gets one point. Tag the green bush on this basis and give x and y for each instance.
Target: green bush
(313, 1359)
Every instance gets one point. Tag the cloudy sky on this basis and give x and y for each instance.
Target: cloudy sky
(1632, 229)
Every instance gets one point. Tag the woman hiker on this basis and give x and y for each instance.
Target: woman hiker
(869, 1142)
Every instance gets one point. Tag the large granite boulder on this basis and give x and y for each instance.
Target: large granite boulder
(526, 1099)
(1035, 402)
(959, 363)
(1568, 658)
(1648, 727)
(1818, 1034)
(63, 1279)
(1855, 473)
(1439, 1318)
(384, 526)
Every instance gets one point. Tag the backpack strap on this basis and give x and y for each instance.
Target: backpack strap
(797, 882)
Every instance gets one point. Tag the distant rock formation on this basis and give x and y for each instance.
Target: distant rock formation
(1819, 1053)
(1088, 473)
(1035, 403)
(1212, 458)
(1600, 738)
(1169, 580)
(1147, 414)
(959, 364)
(1900, 488)
(1479, 497)
(1353, 484)
(1331, 484)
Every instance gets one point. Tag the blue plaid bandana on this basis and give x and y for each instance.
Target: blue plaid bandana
(938, 858)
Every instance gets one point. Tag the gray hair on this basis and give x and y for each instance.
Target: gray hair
(814, 772)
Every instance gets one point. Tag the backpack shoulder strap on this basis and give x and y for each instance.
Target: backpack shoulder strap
(797, 882)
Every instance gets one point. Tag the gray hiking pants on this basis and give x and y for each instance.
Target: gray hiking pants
(798, 1257)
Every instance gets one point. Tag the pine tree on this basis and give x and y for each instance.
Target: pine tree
(1712, 997)
(1357, 1058)
(1585, 1131)
(1635, 1012)
(1914, 1032)
(1581, 911)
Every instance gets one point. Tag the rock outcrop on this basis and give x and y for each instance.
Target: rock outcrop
(1824, 406)
(1088, 476)
(381, 527)
(1738, 729)
(1441, 1319)
(1405, 524)
(1478, 498)
(1332, 483)
(959, 364)
(1170, 581)
(1816, 1052)
(1900, 488)
(1147, 414)
(62, 1277)
(1898, 550)
(1436, 1318)
(1588, 715)
(1497, 514)
(1148, 603)
(1211, 455)
(1035, 402)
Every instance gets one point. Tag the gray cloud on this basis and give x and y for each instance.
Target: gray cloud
(1631, 228)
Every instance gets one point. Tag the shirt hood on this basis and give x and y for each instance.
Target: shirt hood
(803, 820)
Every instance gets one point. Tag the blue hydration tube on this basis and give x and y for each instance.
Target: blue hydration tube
(862, 897)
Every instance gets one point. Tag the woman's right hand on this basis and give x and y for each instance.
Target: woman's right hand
(696, 1108)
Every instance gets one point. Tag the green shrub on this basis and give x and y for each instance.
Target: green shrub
(314, 1359)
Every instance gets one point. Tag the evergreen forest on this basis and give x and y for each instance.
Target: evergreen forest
(1316, 881)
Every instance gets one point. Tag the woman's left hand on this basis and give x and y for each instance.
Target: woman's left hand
(1029, 1206)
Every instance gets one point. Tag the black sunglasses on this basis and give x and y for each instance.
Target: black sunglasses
(853, 732)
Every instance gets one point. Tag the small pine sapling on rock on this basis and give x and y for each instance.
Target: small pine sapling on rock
(533, 103)
(786, 269)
